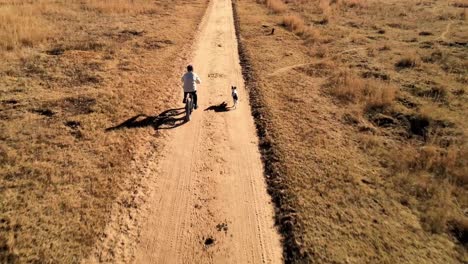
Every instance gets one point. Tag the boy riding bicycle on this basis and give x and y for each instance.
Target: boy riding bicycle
(190, 80)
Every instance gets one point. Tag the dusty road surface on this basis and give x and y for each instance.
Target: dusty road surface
(210, 203)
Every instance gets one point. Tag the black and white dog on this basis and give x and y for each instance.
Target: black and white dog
(235, 97)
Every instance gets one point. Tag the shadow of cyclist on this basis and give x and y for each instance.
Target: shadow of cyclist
(168, 119)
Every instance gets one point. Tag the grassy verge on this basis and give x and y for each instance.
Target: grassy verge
(284, 214)
(362, 129)
(68, 71)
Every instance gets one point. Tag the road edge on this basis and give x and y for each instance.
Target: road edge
(285, 215)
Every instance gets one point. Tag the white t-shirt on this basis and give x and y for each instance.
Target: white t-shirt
(190, 80)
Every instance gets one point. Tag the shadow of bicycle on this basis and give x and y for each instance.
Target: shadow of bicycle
(168, 119)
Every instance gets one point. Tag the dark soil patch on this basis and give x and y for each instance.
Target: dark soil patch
(459, 92)
(434, 57)
(457, 44)
(87, 45)
(418, 125)
(405, 63)
(209, 241)
(399, 26)
(6, 253)
(56, 51)
(43, 112)
(426, 45)
(383, 120)
(222, 227)
(78, 105)
(73, 124)
(376, 75)
(83, 74)
(151, 43)
(10, 102)
(407, 102)
(132, 32)
(319, 69)
(460, 4)
(322, 21)
(425, 33)
(459, 229)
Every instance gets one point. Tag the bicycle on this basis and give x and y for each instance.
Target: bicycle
(188, 106)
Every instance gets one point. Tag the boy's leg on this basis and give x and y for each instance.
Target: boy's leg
(195, 99)
(185, 96)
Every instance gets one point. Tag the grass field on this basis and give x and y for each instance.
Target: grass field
(361, 106)
(69, 70)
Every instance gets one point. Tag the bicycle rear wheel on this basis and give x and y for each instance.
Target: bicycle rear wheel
(188, 108)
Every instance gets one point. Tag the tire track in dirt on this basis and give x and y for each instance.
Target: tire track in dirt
(209, 203)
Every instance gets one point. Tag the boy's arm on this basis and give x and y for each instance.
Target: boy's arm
(198, 80)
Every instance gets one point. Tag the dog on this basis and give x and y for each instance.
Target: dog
(235, 96)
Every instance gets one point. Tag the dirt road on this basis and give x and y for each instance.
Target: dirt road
(210, 203)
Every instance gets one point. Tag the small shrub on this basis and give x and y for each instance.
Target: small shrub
(325, 7)
(436, 217)
(346, 86)
(437, 93)
(384, 47)
(436, 56)
(435, 220)
(408, 61)
(371, 94)
(379, 94)
(277, 6)
(294, 23)
(320, 51)
(311, 35)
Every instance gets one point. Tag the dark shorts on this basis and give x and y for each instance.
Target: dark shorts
(194, 96)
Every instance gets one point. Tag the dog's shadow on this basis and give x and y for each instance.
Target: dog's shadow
(222, 107)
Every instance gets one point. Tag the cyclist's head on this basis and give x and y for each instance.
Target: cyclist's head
(190, 68)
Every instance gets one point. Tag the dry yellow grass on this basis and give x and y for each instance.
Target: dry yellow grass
(354, 3)
(380, 122)
(121, 6)
(69, 70)
(21, 26)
